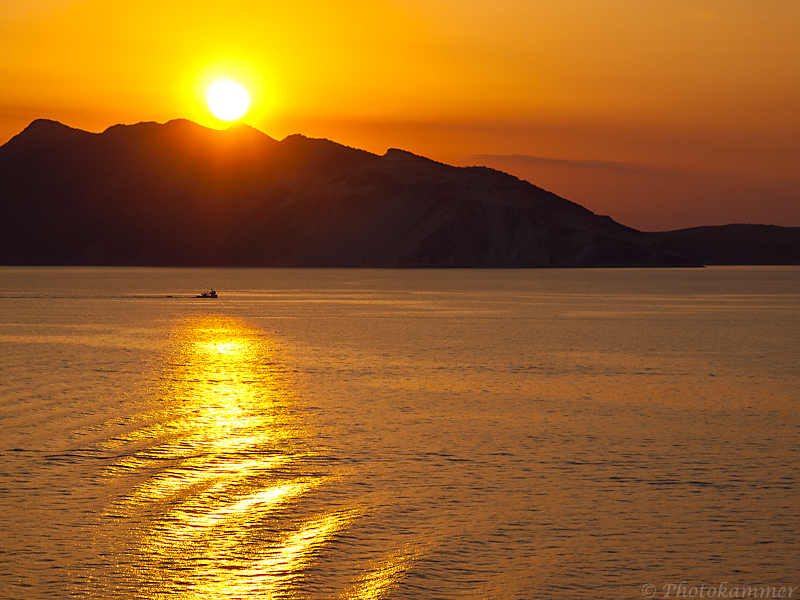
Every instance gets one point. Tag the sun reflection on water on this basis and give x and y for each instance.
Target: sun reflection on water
(382, 578)
(218, 479)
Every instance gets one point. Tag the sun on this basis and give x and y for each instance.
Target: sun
(227, 100)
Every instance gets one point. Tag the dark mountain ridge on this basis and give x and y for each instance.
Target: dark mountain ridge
(178, 194)
(735, 244)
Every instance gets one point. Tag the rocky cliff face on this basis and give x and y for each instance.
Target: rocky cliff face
(182, 194)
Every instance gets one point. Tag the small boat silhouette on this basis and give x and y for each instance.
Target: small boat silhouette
(208, 294)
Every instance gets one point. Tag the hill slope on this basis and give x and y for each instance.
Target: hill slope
(736, 244)
(181, 194)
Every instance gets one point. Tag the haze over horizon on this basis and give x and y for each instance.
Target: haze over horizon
(660, 114)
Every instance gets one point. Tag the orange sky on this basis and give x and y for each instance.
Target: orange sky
(661, 113)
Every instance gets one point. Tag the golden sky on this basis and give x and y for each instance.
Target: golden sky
(661, 113)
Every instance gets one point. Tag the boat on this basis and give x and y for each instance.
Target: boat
(208, 294)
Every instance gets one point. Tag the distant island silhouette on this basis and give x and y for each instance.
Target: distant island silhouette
(179, 194)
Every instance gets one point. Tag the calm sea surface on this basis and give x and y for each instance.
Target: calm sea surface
(398, 434)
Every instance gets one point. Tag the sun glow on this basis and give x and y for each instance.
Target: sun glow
(227, 99)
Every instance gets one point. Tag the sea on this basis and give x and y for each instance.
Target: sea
(365, 434)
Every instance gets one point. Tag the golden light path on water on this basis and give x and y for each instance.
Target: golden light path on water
(217, 481)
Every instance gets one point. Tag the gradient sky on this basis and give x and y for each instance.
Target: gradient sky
(660, 113)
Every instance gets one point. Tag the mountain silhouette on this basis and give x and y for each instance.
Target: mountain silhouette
(179, 194)
(736, 244)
